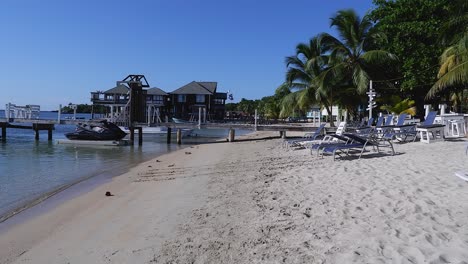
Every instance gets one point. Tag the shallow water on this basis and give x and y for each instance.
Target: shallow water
(30, 168)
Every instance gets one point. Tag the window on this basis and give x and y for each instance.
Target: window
(181, 98)
(200, 98)
(159, 99)
(219, 101)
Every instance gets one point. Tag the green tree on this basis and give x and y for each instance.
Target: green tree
(413, 28)
(453, 72)
(303, 68)
(353, 56)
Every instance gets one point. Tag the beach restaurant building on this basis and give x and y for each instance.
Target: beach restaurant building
(185, 102)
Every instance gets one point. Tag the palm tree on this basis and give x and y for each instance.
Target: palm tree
(352, 60)
(308, 62)
(453, 72)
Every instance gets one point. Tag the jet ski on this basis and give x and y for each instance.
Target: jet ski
(102, 131)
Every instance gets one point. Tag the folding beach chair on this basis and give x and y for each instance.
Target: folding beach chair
(366, 129)
(308, 137)
(400, 131)
(428, 129)
(337, 140)
(357, 143)
(384, 127)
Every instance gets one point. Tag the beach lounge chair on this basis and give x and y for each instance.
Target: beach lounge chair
(428, 129)
(366, 129)
(308, 137)
(400, 131)
(337, 140)
(357, 143)
(382, 128)
(329, 139)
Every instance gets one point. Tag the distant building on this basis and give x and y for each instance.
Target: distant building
(188, 99)
(183, 102)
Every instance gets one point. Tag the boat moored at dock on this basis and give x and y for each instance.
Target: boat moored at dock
(103, 131)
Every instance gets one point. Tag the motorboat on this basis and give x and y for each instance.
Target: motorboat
(103, 130)
(159, 130)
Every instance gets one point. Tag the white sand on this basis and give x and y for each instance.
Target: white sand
(254, 202)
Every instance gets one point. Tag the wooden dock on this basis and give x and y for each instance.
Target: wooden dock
(37, 126)
(47, 124)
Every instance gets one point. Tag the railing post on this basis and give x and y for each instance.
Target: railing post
(59, 114)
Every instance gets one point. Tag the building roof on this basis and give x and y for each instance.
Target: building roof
(210, 86)
(195, 88)
(155, 91)
(119, 89)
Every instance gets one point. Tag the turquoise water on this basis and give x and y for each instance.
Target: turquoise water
(30, 168)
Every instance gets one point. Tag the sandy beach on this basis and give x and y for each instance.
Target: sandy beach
(255, 202)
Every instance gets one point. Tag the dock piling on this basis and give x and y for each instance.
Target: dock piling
(179, 136)
(168, 135)
(3, 125)
(232, 134)
(140, 136)
(132, 134)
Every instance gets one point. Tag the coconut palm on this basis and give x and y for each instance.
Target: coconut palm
(308, 62)
(352, 59)
(453, 72)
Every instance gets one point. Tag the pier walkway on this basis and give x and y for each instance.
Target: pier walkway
(48, 124)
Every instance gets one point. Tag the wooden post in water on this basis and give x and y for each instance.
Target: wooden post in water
(140, 136)
(168, 135)
(232, 134)
(179, 136)
(132, 134)
(4, 126)
(36, 134)
(49, 133)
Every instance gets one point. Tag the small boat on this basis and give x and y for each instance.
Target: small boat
(102, 131)
(161, 131)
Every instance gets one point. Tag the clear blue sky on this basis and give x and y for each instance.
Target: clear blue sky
(55, 52)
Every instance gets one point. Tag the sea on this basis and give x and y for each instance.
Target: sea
(30, 169)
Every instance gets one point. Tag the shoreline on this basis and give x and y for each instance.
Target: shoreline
(253, 201)
(110, 173)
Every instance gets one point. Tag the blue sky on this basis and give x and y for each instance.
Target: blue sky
(56, 51)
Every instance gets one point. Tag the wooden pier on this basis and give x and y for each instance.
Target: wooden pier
(42, 124)
(34, 126)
